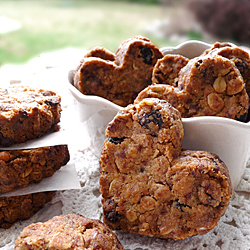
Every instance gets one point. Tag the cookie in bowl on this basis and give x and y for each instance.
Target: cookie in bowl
(167, 69)
(121, 76)
(206, 86)
(240, 58)
(149, 185)
(72, 231)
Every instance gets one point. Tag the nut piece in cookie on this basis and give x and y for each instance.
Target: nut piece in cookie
(240, 58)
(27, 113)
(166, 69)
(70, 231)
(18, 168)
(149, 186)
(118, 77)
(16, 208)
(207, 86)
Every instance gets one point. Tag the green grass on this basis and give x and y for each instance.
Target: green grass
(53, 25)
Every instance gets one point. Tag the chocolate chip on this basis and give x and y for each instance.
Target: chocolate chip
(116, 140)
(154, 116)
(147, 55)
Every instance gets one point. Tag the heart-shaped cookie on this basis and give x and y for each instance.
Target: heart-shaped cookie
(149, 185)
(207, 86)
(118, 77)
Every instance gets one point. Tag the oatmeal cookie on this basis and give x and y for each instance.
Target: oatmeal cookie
(166, 70)
(121, 76)
(149, 186)
(207, 86)
(27, 113)
(240, 58)
(15, 208)
(18, 168)
(70, 231)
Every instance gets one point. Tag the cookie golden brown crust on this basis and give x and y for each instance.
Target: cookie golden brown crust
(207, 86)
(149, 186)
(167, 69)
(15, 208)
(69, 232)
(118, 78)
(240, 58)
(217, 45)
(18, 168)
(27, 113)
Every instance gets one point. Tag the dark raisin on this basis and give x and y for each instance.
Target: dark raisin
(110, 212)
(23, 114)
(147, 55)
(5, 141)
(180, 206)
(154, 116)
(116, 140)
(198, 64)
(242, 118)
(241, 65)
(51, 102)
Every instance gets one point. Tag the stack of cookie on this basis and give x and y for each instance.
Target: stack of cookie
(25, 114)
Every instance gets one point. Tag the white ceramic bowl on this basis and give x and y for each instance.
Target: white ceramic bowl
(227, 138)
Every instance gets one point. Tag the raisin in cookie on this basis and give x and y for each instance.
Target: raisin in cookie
(70, 231)
(27, 113)
(207, 86)
(15, 208)
(118, 77)
(149, 186)
(18, 168)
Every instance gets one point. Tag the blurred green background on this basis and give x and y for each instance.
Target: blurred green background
(49, 25)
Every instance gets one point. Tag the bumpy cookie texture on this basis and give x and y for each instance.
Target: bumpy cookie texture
(166, 70)
(149, 186)
(15, 208)
(27, 113)
(118, 77)
(240, 58)
(217, 45)
(18, 168)
(207, 86)
(69, 232)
